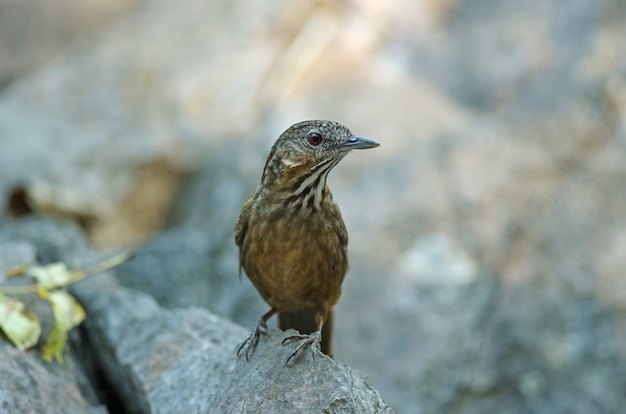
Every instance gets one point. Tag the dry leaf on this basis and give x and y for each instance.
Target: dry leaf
(21, 327)
(68, 313)
(52, 275)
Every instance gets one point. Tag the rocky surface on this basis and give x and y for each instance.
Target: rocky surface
(27, 384)
(184, 267)
(486, 233)
(147, 359)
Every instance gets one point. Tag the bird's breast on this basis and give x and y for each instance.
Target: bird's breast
(296, 256)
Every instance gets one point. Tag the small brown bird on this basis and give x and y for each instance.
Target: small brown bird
(291, 236)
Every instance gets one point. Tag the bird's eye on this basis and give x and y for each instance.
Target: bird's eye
(315, 138)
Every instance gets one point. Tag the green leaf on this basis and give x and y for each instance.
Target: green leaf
(21, 327)
(52, 275)
(68, 313)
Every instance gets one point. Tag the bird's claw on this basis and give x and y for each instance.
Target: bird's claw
(306, 341)
(251, 342)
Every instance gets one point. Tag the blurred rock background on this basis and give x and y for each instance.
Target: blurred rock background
(488, 232)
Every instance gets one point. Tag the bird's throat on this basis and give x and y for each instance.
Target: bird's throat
(304, 188)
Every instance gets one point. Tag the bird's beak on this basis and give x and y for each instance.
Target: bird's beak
(359, 143)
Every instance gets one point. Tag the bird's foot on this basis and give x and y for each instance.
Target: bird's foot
(306, 340)
(251, 342)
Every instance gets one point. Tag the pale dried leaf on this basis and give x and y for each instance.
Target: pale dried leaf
(68, 313)
(21, 327)
(52, 275)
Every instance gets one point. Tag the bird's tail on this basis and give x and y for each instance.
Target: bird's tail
(304, 322)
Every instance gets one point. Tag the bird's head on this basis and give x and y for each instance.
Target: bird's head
(311, 148)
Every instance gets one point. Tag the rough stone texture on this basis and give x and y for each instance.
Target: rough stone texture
(143, 351)
(184, 267)
(184, 360)
(194, 261)
(152, 360)
(29, 385)
(313, 383)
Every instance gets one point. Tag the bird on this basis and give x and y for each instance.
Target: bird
(292, 238)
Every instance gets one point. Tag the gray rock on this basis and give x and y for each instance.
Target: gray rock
(15, 254)
(194, 261)
(28, 384)
(313, 383)
(156, 360)
(184, 360)
(52, 239)
(185, 267)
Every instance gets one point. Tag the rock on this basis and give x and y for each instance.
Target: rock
(27, 384)
(53, 240)
(265, 383)
(186, 267)
(194, 261)
(13, 255)
(210, 199)
(144, 358)
(184, 360)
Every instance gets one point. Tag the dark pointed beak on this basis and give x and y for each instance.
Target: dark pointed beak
(359, 143)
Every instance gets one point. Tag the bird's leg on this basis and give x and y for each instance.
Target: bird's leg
(306, 340)
(260, 328)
